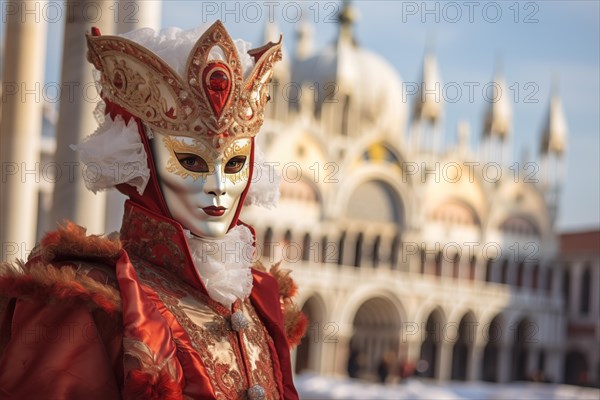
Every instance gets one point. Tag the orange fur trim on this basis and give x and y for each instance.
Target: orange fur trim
(46, 283)
(295, 322)
(142, 385)
(39, 280)
(70, 241)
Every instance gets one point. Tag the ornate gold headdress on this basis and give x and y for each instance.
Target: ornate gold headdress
(211, 100)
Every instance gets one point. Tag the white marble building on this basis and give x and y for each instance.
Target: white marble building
(400, 245)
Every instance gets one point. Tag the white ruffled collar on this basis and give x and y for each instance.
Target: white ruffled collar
(224, 264)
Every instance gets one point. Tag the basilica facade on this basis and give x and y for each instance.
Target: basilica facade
(441, 262)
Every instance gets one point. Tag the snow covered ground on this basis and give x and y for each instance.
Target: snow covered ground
(323, 388)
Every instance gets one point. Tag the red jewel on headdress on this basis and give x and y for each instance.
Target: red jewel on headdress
(218, 81)
(217, 85)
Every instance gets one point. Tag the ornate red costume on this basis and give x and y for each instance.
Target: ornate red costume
(136, 317)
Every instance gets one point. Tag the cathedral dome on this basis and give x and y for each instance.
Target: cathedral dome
(343, 72)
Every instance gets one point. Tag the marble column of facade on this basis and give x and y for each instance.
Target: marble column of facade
(443, 368)
(463, 266)
(413, 346)
(339, 361)
(386, 241)
(330, 252)
(349, 250)
(21, 125)
(480, 267)
(447, 265)
(367, 250)
(71, 200)
(410, 255)
(325, 353)
(475, 363)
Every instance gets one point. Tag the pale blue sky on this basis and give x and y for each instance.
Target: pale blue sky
(535, 41)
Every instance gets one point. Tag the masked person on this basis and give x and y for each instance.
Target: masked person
(175, 307)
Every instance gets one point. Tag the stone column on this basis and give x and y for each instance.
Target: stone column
(480, 267)
(444, 360)
(475, 365)
(76, 121)
(21, 125)
(413, 347)
(135, 14)
(341, 352)
(130, 15)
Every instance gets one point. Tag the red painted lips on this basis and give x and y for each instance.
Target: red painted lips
(214, 211)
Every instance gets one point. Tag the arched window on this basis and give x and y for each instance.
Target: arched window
(358, 250)
(438, 264)
(520, 273)
(325, 249)
(488, 270)
(268, 244)
(584, 301)
(376, 246)
(288, 247)
(306, 247)
(394, 255)
(341, 249)
(549, 279)
(566, 287)
(535, 276)
(472, 266)
(504, 275)
(455, 266)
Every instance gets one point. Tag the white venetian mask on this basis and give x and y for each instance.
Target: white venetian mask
(201, 185)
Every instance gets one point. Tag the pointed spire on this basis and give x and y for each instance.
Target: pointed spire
(498, 116)
(347, 72)
(271, 32)
(304, 39)
(428, 100)
(346, 18)
(554, 135)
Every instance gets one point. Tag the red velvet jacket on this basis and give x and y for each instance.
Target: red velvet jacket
(94, 318)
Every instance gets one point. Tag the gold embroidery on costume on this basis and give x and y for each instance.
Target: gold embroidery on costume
(233, 361)
(159, 247)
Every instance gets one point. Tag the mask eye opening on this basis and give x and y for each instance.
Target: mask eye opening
(235, 164)
(192, 162)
